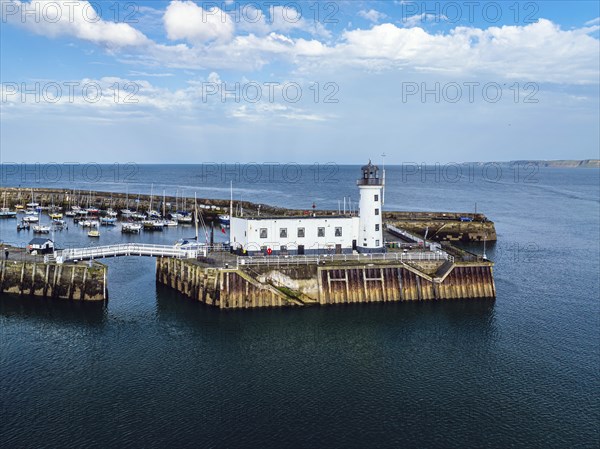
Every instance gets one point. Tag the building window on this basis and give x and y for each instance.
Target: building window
(376, 197)
(376, 211)
(283, 233)
(263, 233)
(320, 232)
(301, 232)
(377, 243)
(376, 227)
(338, 232)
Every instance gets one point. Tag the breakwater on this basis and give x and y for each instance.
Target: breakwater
(440, 226)
(326, 283)
(81, 282)
(445, 226)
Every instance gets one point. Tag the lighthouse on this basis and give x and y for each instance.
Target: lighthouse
(370, 233)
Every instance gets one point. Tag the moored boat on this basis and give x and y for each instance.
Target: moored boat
(5, 212)
(41, 229)
(108, 221)
(131, 228)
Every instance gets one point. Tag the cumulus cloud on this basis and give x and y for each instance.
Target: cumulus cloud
(79, 19)
(372, 15)
(279, 19)
(184, 20)
(540, 51)
(418, 19)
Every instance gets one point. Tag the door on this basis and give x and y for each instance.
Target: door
(301, 250)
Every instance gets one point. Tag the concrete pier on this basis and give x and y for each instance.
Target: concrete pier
(68, 281)
(328, 283)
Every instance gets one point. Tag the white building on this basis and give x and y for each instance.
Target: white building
(316, 234)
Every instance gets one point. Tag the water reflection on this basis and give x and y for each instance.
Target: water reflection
(58, 312)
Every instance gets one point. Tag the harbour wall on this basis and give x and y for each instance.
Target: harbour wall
(304, 285)
(440, 225)
(68, 281)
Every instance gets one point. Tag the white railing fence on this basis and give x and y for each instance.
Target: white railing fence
(127, 249)
(362, 258)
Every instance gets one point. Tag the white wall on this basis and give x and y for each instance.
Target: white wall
(368, 237)
(247, 233)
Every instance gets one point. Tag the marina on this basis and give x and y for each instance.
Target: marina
(263, 260)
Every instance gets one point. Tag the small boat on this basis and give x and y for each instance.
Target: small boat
(108, 221)
(126, 213)
(189, 244)
(131, 228)
(5, 212)
(153, 225)
(70, 213)
(55, 215)
(31, 218)
(185, 219)
(23, 226)
(32, 205)
(94, 233)
(19, 207)
(41, 229)
(111, 213)
(138, 216)
(170, 223)
(59, 223)
(89, 223)
(92, 211)
(153, 214)
(224, 219)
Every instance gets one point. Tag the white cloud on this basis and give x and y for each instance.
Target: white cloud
(53, 18)
(184, 20)
(418, 19)
(372, 15)
(540, 51)
(280, 19)
(593, 22)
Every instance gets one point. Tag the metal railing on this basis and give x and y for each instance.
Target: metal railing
(127, 249)
(362, 258)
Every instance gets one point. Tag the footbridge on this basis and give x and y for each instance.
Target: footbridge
(126, 249)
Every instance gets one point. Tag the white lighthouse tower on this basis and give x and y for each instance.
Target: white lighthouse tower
(370, 232)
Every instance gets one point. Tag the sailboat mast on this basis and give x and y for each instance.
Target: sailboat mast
(164, 206)
(196, 215)
(231, 200)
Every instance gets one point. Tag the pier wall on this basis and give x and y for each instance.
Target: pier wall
(448, 230)
(303, 285)
(50, 280)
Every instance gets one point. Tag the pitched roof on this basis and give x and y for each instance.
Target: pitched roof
(39, 241)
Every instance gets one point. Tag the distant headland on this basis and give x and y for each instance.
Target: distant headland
(561, 163)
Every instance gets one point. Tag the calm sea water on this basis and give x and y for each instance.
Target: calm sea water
(151, 368)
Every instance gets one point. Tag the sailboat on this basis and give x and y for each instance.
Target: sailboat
(126, 213)
(193, 244)
(5, 212)
(41, 229)
(131, 228)
(151, 212)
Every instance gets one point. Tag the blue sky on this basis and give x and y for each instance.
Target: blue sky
(181, 81)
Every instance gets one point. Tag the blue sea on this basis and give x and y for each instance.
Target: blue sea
(151, 368)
